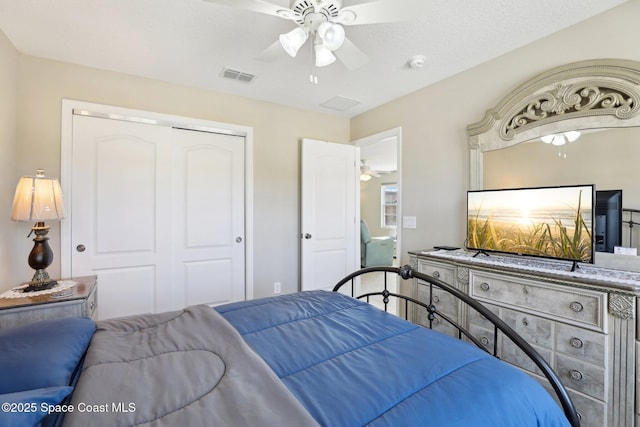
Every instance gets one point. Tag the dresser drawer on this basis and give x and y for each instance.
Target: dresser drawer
(581, 376)
(581, 344)
(534, 329)
(475, 318)
(579, 306)
(439, 323)
(485, 337)
(443, 300)
(511, 353)
(443, 272)
(591, 412)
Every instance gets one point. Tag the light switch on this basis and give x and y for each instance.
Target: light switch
(408, 222)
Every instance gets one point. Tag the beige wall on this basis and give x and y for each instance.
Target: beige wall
(433, 120)
(8, 147)
(435, 157)
(277, 133)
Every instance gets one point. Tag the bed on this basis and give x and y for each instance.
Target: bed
(304, 359)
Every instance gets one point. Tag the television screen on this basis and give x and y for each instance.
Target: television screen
(554, 222)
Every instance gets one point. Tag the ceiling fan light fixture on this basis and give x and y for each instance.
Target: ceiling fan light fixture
(560, 138)
(324, 56)
(293, 40)
(332, 35)
(572, 135)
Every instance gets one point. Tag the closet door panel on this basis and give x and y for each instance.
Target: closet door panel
(118, 208)
(158, 214)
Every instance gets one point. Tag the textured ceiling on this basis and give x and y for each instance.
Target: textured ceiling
(189, 42)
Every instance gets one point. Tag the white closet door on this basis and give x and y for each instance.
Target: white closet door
(208, 221)
(136, 207)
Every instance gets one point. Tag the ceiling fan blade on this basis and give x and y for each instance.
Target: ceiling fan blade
(271, 53)
(351, 56)
(381, 11)
(253, 5)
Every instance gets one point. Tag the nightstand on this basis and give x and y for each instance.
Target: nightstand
(82, 301)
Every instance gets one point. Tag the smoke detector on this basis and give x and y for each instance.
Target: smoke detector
(417, 61)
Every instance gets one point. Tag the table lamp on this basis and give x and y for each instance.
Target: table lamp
(38, 199)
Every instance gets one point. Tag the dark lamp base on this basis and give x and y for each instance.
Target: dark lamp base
(40, 286)
(40, 258)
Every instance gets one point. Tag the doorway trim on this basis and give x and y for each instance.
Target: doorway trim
(374, 139)
(71, 107)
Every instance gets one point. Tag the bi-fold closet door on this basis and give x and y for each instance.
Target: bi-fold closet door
(157, 213)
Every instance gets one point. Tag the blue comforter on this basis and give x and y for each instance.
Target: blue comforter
(351, 364)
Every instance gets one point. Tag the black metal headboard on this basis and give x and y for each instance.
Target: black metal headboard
(407, 272)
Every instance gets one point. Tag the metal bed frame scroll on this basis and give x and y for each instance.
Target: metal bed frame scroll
(407, 272)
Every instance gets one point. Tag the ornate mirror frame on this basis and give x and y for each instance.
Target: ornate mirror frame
(600, 93)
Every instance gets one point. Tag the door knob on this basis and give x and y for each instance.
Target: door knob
(307, 236)
(238, 239)
(80, 248)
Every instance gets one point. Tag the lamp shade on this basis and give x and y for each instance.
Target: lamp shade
(293, 40)
(332, 35)
(323, 56)
(37, 199)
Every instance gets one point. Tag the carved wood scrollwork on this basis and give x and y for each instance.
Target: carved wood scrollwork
(593, 94)
(463, 276)
(621, 306)
(565, 101)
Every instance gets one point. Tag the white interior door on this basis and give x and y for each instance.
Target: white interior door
(329, 212)
(208, 220)
(155, 213)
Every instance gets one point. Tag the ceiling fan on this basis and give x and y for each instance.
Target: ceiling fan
(322, 22)
(366, 173)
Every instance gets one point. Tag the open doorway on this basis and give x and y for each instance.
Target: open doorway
(380, 200)
(380, 186)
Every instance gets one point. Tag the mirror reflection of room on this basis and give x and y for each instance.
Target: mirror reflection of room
(605, 157)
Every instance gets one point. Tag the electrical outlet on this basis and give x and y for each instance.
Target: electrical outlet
(277, 288)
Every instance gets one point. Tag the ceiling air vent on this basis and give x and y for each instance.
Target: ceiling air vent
(230, 73)
(340, 103)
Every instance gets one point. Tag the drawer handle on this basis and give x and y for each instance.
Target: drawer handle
(484, 341)
(436, 274)
(576, 342)
(484, 286)
(525, 322)
(576, 306)
(525, 290)
(92, 305)
(575, 375)
(436, 299)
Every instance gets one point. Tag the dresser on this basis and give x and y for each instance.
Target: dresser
(583, 322)
(81, 300)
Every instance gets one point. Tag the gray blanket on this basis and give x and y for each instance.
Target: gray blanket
(183, 368)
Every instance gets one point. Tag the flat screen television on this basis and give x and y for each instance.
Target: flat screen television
(551, 222)
(608, 216)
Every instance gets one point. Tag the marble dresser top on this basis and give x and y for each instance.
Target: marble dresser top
(628, 281)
